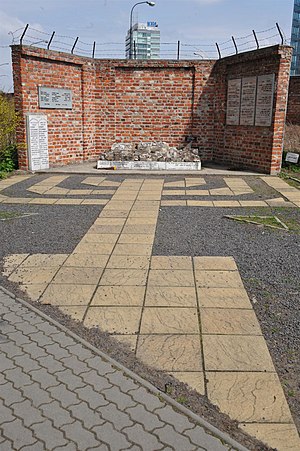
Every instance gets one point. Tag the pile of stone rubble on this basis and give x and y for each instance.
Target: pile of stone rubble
(150, 151)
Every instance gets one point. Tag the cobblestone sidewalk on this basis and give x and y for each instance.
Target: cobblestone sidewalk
(59, 393)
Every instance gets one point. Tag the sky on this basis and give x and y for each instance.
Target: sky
(196, 23)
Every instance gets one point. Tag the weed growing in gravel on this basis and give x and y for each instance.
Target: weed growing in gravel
(182, 399)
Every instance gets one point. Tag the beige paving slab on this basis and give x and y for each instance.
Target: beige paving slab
(119, 296)
(169, 320)
(174, 192)
(100, 238)
(236, 353)
(149, 197)
(221, 192)
(109, 183)
(84, 192)
(16, 200)
(33, 275)
(38, 189)
(151, 205)
(94, 201)
(102, 220)
(57, 191)
(170, 278)
(133, 249)
(128, 238)
(87, 260)
(199, 203)
(45, 260)
(78, 275)
(197, 192)
(68, 294)
(171, 297)
(226, 203)
(150, 215)
(69, 202)
(119, 205)
(214, 263)
(173, 203)
(170, 352)
(253, 203)
(223, 298)
(177, 184)
(218, 279)
(122, 196)
(190, 181)
(94, 248)
(141, 228)
(106, 228)
(34, 291)
(115, 320)
(129, 262)
(283, 437)
(76, 312)
(229, 321)
(114, 214)
(11, 262)
(194, 379)
(124, 277)
(43, 200)
(249, 397)
(171, 262)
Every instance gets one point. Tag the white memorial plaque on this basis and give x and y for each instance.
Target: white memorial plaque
(57, 98)
(292, 157)
(233, 102)
(37, 141)
(248, 97)
(264, 100)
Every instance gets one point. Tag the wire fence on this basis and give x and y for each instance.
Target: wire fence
(168, 50)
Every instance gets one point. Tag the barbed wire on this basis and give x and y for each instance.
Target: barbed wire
(168, 50)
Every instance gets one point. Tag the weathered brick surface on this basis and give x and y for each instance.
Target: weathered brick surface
(125, 101)
(293, 108)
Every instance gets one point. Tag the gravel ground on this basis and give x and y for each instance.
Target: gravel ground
(268, 261)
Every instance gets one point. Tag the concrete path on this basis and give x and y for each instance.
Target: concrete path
(58, 393)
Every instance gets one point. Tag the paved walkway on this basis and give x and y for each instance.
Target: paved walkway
(58, 394)
(194, 309)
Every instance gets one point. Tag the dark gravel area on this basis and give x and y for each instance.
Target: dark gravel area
(52, 229)
(269, 262)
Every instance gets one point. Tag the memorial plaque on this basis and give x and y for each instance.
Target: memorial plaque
(248, 97)
(233, 102)
(264, 100)
(56, 98)
(37, 141)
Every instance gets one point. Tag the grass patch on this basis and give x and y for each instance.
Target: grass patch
(4, 215)
(268, 221)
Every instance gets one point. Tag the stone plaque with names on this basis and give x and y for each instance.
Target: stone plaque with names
(264, 100)
(56, 98)
(233, 102)
(37, 141)
(248, 97)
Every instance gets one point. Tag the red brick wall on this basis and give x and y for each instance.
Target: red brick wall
(293, 109)
(124, 101)
(257, 148)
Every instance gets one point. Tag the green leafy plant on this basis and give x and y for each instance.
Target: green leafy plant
(8, 123)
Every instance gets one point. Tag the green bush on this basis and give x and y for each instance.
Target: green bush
(8, 123)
